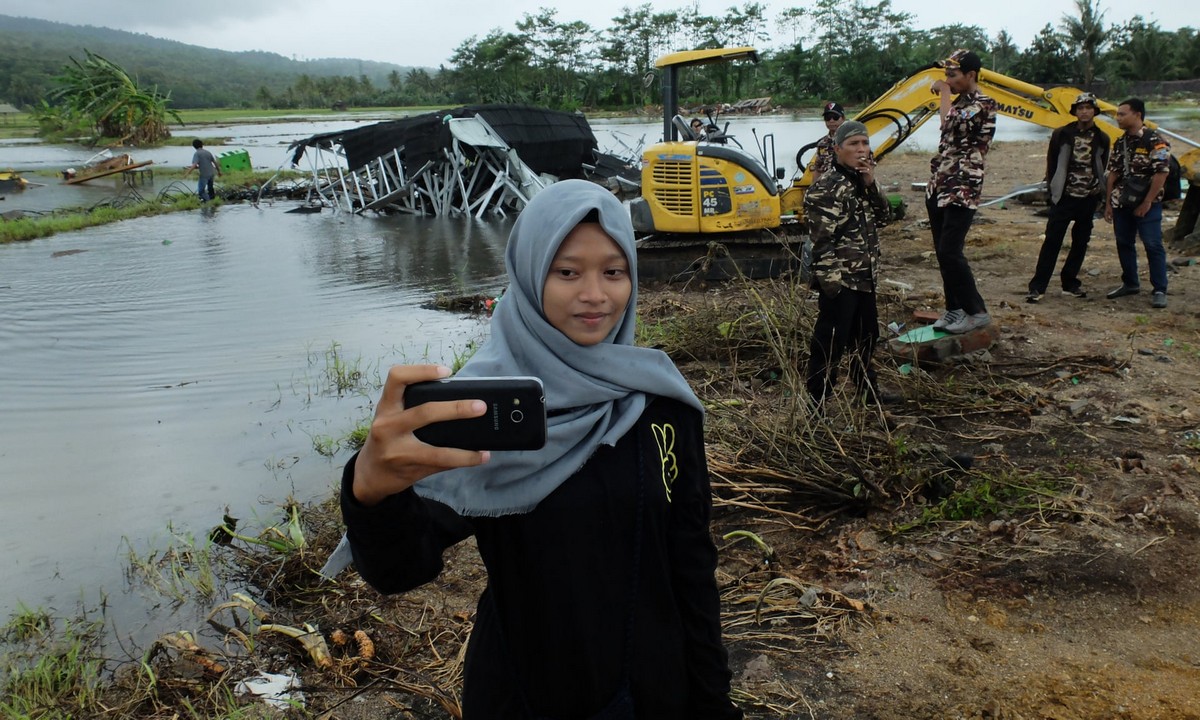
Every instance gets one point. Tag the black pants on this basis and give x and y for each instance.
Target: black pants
(846, 320)
(1080, 211)
(949, 226)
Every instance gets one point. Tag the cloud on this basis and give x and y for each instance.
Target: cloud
(137, 14)
(413, 33)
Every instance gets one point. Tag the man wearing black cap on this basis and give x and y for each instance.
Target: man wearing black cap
(952, 196)
(834, 116)
(842, 209)
(1075, 166)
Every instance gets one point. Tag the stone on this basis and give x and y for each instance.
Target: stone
(758, 671)
(943, 347)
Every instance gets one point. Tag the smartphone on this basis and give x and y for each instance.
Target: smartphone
(515, 420)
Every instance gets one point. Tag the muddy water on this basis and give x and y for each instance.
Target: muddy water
(158, 371)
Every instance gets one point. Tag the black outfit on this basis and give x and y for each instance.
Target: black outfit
(843, 216)
(1070, 209)
(1071, 202)
(550, 630)
(848, 319)
(949, 226)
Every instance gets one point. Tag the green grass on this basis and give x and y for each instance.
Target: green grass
(68, 220)
(55, 669)
(984, 496)
(343, 375)
(30, 228)
(186, 569)
(51, 671)
(18, 125)
(26, 624)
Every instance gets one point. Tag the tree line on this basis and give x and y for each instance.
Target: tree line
(824, 51)
(812, 53)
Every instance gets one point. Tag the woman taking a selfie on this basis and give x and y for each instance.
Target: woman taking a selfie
(601, 600)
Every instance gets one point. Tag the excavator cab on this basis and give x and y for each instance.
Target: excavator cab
(701, 186)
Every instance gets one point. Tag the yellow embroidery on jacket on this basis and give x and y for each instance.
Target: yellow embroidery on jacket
(664, 437)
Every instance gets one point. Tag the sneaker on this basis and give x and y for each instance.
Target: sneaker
(948, 317)
(1077, 292)
(1033, 297)
(1122, 292)
(969, 323)
(1158, 300)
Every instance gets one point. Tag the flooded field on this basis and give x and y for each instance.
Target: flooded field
(159, 371)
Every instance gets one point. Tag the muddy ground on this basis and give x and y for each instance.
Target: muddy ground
(1092, 614)
(1056, 577)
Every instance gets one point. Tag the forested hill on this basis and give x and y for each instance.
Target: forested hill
(34, 51)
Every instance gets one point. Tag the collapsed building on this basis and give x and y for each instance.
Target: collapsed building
(474, 160)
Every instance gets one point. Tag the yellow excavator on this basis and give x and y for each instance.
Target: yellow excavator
(704, 186)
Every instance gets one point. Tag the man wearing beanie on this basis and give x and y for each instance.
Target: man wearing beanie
(1075, 166)
(952, 196)
(843, 209)
(822, 161)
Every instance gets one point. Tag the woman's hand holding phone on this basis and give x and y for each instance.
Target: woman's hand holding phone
(393, 459)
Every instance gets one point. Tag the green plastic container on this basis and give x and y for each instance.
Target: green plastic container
(234, 160)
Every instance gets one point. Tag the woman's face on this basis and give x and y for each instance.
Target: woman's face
(588, 286)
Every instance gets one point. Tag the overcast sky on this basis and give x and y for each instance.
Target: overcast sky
(425, 33)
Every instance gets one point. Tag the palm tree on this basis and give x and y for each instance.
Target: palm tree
(1087, 36)
(112, 102)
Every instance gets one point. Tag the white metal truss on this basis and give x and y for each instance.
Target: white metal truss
(478, 174)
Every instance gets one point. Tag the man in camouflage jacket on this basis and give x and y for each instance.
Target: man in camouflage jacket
(843, 209)
(822, 161)
(1075, 164)
(952, 196)
(1139, 157)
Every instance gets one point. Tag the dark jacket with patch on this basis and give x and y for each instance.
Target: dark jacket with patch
(1075, 161)
(843, 215)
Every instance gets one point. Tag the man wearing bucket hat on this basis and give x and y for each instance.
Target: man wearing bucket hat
(843, 208)
(1075, 165)
(822, 161)
(952, 195)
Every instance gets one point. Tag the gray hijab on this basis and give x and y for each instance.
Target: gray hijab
(595, 393)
